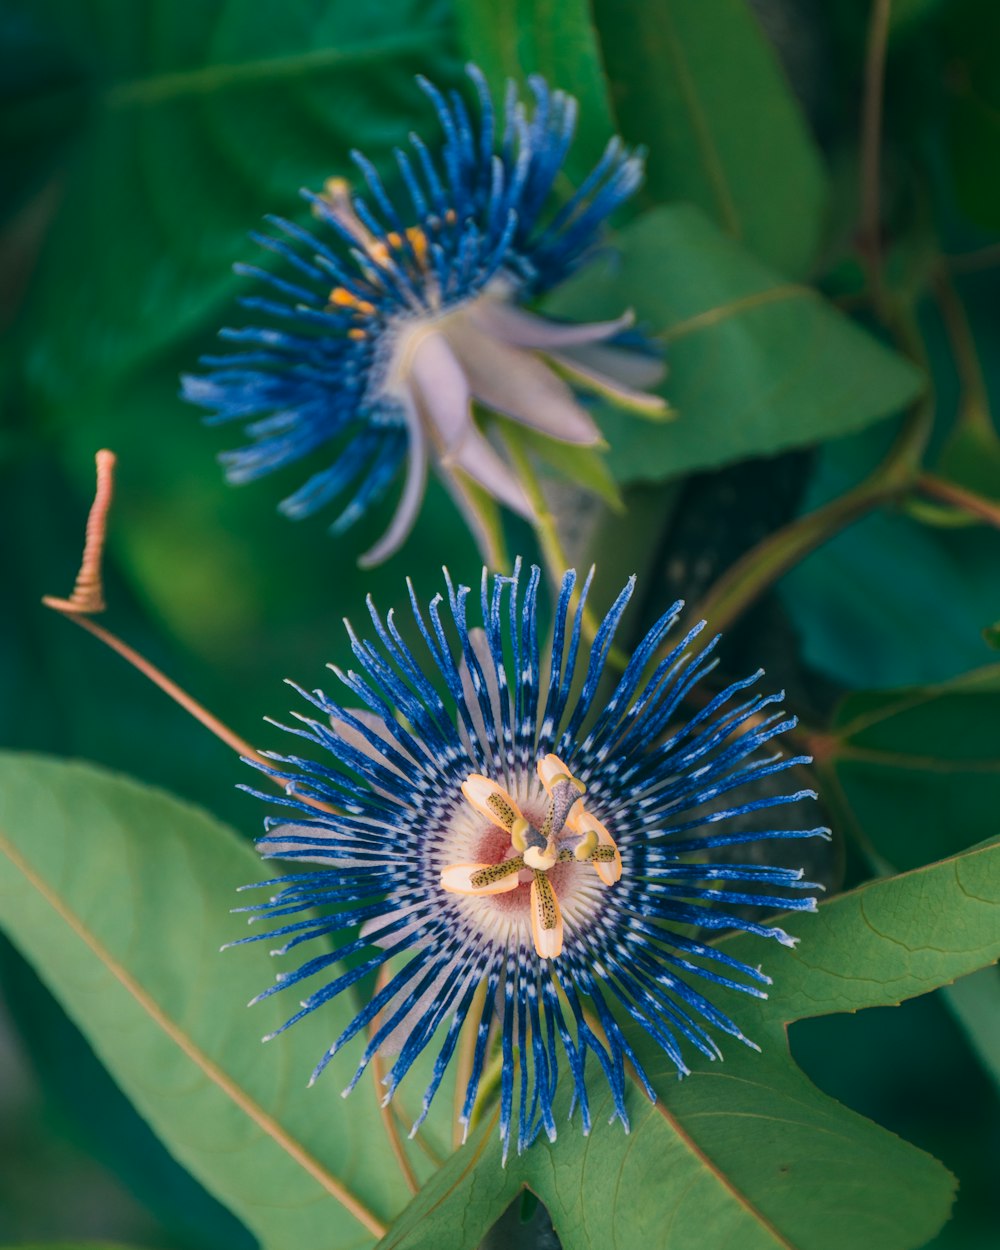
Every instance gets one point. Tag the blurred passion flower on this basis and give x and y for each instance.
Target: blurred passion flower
(529, 864)
(393, 316)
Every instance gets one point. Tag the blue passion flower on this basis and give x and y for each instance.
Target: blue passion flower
(487, 827)
(389, 318)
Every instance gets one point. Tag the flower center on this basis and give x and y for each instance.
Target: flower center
(567, 833)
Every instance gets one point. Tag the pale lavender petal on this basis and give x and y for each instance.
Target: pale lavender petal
(292, 844)
(478, 459)
(413, 492)
(618, 364)
(356, 739)
(442, 394)
(518, 328)
(481, 650)
(442, 390)
(444, 989)
(519, 385)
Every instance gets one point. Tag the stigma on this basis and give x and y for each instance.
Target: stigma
(566, 833)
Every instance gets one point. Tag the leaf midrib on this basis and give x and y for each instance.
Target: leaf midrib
(207, 1066)
(721, 1178)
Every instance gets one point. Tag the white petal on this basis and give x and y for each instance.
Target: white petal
(356, 739)
(481, 649)
(519, 328)
(290, 846)
(445, 987)
(442, 389)
(374, 929)
(378, 726)
(442, 394)
(478, 459)
(413, 493)
(519, 385)
(616, 372)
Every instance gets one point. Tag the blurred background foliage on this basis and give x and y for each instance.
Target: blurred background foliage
(821, 295)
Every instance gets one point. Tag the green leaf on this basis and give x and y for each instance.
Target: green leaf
(975, 1002)
(95, 1115)
(584, 465)
(756, 364)
(887, 602)
(515, 38)
(67, 1245)
(971, 458)
(120, 896)
(749, 1152)
(194, 134)
(701, 87)
(919, 767)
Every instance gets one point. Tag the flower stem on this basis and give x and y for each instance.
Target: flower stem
(898, 474)
(745, 581)
(88, 597)
(968, 501)
(553, 553)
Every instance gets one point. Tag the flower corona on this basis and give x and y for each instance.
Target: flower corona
(532, 857)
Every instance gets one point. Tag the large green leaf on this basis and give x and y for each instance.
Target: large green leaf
(196, 131)
(680, 75)
(515, 38)
(756, 364)
(749, 1152)
(119, 896)
(700, 86)
(919, 768)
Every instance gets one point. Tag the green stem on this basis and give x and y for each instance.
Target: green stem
(967, 501)
(899, 473)
(553, 554)
(974, 404)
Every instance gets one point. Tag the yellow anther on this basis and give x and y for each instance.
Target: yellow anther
(459, 878)
(491, 800)
(356, 334)
(608, 868)
(336, 190)
(451, 217)
(546, 918)
(586, 846)
(495, 872)
(418, 241)
(551, 770)
(344, 298)
(394, 239)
